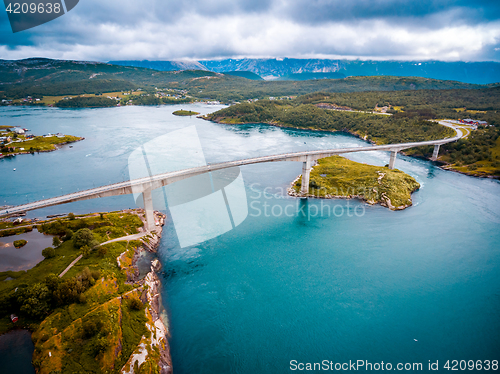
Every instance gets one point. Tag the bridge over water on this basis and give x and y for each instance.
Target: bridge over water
(148, 184)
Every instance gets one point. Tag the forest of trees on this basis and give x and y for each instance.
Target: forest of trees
(86, 102)
(383, 129)
(37, 300)
(439, 103)
(410, 124)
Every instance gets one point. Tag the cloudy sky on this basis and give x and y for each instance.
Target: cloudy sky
(103, 30)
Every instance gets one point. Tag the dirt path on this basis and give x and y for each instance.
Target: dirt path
(127, 238)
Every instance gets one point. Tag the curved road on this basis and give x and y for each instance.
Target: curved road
(160, 180)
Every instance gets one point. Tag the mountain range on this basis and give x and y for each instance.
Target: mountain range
(304, 69)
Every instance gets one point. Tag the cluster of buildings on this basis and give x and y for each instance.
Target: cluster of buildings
(473, 122)
(281, 98)
(26, 100)
(163, 94)
(29, 99)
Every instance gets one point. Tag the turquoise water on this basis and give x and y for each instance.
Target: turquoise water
(368, 284)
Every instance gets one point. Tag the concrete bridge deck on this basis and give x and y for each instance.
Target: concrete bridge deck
(147, 184)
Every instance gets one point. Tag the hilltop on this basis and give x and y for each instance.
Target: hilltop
(40, 77)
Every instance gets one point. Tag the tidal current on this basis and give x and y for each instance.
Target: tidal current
(299, 280)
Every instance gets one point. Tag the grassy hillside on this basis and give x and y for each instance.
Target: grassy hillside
(476, 155)
(244, 74)
(381, 129)
(455, 103)
(307, 76)
(44, 77)
(226, 89)
(93, 318)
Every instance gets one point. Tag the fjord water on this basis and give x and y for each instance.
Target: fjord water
(360, 283)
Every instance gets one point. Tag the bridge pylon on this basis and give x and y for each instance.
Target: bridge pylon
(148, 209)
(392, 160)
(435, 153)
(306, 172)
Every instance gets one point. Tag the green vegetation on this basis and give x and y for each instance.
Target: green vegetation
(91, 320)
(24, 145)
(15, 231)
(478, 154)
(84, 237)
(45, 77)
(56, 242)
(244, 74)
(437, 103)
(86, 102)
(111, 226)
(410, 121)
(185, 113)
(227, 89)
(381, 129)
(49, 252)
(339, 177)
(135, 303)
(151, 99)
(20, 243)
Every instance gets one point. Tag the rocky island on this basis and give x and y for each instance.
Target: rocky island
(338, 177)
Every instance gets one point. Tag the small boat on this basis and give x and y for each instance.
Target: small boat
(14, 169)
(14, 318)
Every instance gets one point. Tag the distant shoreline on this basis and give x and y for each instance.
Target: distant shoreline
(56, 147)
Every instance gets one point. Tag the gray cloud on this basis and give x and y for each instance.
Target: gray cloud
(201, 29)
(313, 11)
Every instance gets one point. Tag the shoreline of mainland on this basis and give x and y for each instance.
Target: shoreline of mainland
(441, 164)
(158, 328)
(154, 345)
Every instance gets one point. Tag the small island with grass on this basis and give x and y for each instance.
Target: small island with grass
(185, 113)
(20, 243)
(15, 141)
(338, 177)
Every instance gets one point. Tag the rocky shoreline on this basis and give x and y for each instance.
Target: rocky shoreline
(150, 286)
(384, 200)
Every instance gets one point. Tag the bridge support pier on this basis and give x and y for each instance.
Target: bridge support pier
(435, 154)
(306, 172)
(148, 208)
(392, 160)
